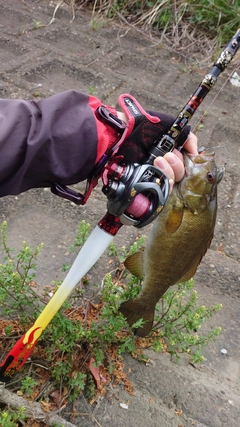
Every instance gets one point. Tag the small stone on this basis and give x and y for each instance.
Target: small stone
(124, 406)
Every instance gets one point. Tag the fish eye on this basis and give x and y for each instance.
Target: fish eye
(210, 176)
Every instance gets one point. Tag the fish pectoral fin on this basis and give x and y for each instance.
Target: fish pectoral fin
(174, 219)
(196, 203)
(133, 310)
(134, 264)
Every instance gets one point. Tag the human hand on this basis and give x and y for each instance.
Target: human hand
(143, 129)
(172, 163)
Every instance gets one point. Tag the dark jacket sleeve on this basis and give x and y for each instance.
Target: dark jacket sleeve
(53, 140)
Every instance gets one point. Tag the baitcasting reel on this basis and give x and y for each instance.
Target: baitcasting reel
(136, 193)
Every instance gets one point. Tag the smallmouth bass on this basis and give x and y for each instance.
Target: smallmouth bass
(178, 240)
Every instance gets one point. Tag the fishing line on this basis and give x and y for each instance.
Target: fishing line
(219, 147)
(195, 130)
(224, 147)
(208, 108)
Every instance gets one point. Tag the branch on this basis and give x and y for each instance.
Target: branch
(32, 409)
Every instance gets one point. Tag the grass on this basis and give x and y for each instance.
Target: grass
(183, 24)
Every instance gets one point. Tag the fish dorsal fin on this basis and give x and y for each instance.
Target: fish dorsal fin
(174, 219)
(134, 264)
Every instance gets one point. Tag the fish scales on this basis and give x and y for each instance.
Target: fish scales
(178, 240)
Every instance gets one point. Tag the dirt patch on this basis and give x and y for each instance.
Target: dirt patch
(38, 61)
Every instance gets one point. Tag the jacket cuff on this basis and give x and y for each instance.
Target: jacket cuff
(106, 135)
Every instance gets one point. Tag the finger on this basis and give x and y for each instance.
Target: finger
(191, 144)
(164, 166)
(176, 163)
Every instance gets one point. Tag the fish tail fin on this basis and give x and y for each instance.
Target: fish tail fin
(133, 310)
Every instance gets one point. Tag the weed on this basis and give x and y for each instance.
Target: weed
(179, 21)
(92, 90)
(178, 320)
(36, 94)
(27, 385)
(10, 418)
(91, 333)
(18, 296)
(215, 16)
(37, 24)
(95, 23)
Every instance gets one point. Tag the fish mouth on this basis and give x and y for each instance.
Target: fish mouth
(191, 160)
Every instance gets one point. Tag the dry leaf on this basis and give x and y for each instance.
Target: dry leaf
(95, 372)
(46, 406)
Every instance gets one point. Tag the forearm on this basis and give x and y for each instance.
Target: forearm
(57, 139)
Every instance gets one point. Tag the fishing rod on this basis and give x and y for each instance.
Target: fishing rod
(136, 195)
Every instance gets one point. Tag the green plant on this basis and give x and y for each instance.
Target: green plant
(82, 234)
(217, 17)
(18, 298)
(27, 385)
(179, 319)
(123, 253)
(97, 328)
(89, 332)
(10, 418)
(92, 90)
(179, 21)
(37, 24)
